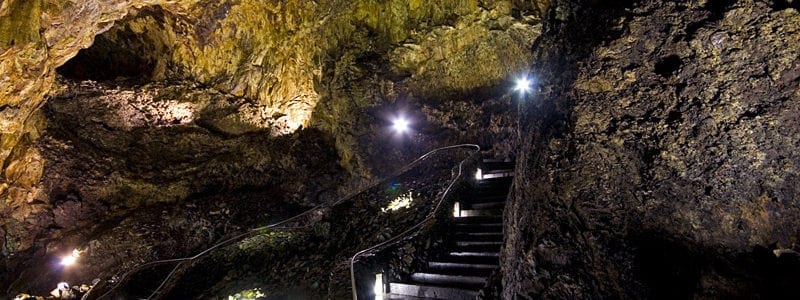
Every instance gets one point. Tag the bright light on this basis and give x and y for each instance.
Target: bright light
(402, 201)
(478, 174)
(62, 286)
(457, 210)
(69, 260)
(400, 125)
(523, 85)
(378, 288)
(251, 294)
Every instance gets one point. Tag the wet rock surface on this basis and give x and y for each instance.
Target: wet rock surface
(659, 157)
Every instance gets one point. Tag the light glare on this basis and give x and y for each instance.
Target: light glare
(523, 85)
(69, 260)
(402, 201)
(378, 288)
(400, 125)
(62, 286)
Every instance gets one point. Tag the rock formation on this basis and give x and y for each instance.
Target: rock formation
(659, 153)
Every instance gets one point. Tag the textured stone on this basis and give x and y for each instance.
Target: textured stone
(659, 159)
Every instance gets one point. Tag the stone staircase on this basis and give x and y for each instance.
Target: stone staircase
(471, 251)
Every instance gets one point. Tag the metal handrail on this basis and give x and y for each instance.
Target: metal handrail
(397, 238)
(274, 226)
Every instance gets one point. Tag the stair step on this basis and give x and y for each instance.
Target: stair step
(470, 258)
(449, 280)
(481, 212)
(496, 168)
(458, 268)
(478, 243)
(484, 205)
(496, 160)
(498, 175)
(479, 227)
(402, 297)
(501, 180)
(489, 171)
(479, 236)
(474, 253)
(478, 246)
(426, 291)
(478, 220)
(473, 234)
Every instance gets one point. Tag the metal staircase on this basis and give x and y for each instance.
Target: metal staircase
(471, 249)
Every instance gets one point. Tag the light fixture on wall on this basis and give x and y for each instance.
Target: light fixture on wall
(523, 85)
(70, 259)
(400, 124)
(378, 288)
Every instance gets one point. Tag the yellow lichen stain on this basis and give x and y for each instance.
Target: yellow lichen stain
(630, 76)
(596, 84)
(395, 18)
(757, 217)
(26, 170)
(19, 23)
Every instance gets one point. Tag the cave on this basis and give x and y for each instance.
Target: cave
(107, 60)
(554, 149)
(137, 49)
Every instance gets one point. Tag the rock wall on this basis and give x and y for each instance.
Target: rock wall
(658, 154)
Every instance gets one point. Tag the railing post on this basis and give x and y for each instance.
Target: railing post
(353, 277)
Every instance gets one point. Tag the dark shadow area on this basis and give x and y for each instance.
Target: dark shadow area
(137, 48)
(669, 269)
(718, 8)
(779, 272)
(785, 4)
(675, 270)
(667, 66)
(107, 59)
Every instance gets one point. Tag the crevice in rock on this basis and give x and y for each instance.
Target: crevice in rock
(719, 7)
(785, 4)
(667, 66)
(137, 49)
(670, 270)
(716, 11)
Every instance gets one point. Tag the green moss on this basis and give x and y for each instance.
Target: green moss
(398, 19)
(21, 25)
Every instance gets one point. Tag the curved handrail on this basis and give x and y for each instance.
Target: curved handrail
(412, 229)
(274, 226)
